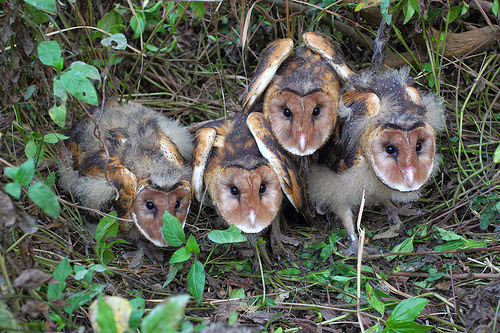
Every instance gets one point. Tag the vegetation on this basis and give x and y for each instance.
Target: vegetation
(193, 61)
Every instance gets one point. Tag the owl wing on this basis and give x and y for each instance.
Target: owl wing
(329, 50)
(288, 174)
(205, 139)
(271, 59)
(170, 151)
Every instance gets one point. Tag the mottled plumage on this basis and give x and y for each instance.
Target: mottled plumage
(384, 144)
(138, 167)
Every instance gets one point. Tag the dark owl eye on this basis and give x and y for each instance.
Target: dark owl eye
(150, 205)
(262, 188)
(316, 111)
(287, 113)
(177, 204)
(418, 147)
(390, 149)
(234, 190)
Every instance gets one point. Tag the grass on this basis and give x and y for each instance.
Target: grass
(189, 63)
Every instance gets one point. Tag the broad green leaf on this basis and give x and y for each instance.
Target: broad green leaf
(111, 22)
(453, 13)
(230, 235)
(51, 138)
(172, 230)
(62, 271)
(49, 53)
(165, 317)
(79, 86)
(51, 179)
(291, 272)
(30, 149)
(8, 321)
(409, 11)
(58, 114)
(29, 92)
(46, 5)
(116, 41)
(373, 300)
(93, 268)
(408, 327)
(107, 227)
(448, 235)
(23, 173)
(407, 310)
(85, 69)
(154, 9)
(451, 245)
(196, 280)
(13, 189)
(180, 255)
(198, 8)
(404, 246)
(105, 319)
(172, 271)
(138, 306)
(384, 9)
(494, 9)
(233, 318)
(44, 198)
(237, 293)
(138, 23)
(80, 298)
(192, 245)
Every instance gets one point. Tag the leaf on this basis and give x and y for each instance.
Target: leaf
(80, 298)
(44, 198)
(172, 271)
(165, 316)
(409, 11)
(291, 272)
(405, 246)
(23, 173)
(408, 327)
(373, 300)
(9, 323)
(172, 230)
(85, 69)
(138, 23)
(384, 9)
(29, 92)
(51, 138)
(79, 86)
(46, 5)
(107, 227)
(191, 245)
(62, 271)
(138, 306)
(407, 310)
(58, 111)
(237, 293)
(180, 255)
(105, 321)
(51, 179)
(116, 41)
(494, 9)
(49, 53)
(196, 280)
(13, 189)
(448, 235)
(230, 235)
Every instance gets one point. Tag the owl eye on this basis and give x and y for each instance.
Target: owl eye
(286, 112)
(177, 204)
(150, 205)
(390, 150)
(262, 188)
(316, 111)
(418, 147)
(234, 190)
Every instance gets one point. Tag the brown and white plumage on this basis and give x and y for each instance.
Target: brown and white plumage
(301, 91)
(243, 183)
(385, 145)
(138, 167)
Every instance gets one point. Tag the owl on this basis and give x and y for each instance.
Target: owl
(135, 161)
(243, 171)
(385, 145)
(301, 91)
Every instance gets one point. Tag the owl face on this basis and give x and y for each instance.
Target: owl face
(250, 199)
(301, 122)
(151, 203)
(402, 158)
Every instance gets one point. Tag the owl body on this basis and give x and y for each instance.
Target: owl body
(384, 145)
(135, 162)
(301, 91)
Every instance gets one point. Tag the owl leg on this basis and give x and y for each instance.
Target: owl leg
(278, 238)
(348, 222)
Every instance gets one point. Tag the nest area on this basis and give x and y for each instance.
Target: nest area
(189, 63)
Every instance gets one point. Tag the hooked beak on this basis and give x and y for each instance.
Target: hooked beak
(409, 173)
(302, 141)
(251, 217)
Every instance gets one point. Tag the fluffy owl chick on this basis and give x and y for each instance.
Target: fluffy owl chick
(385, 146)
(135, 161)
(301, 91)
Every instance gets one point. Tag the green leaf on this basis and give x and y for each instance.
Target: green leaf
(198, 8)
(49, 53)
(107, 227)
(51, 179)
(384, 9)
(116, 41)
(111, 22)
(138, 23)
(79, 86)
(180, 255)
(453, 13)
(80, 298)
(172, 230)
(230, 235)
(30, 149)
(407, 310)
(494, 8)
(51, 138)
(405, 246)
(44, 198)
(13, 189)
(29, 92)
(290, 272)
(196, 280)
(138, 306)
(9, 323)
(165, 317)
(408, 327)
(448, 235)
(46, 5)
(409, 11)
(23, 173)
(191, 245)
(172, 271)
(85, 69)
(62, 271)
(237, 293)
(58, 111)
(373, 300)
(105, 318)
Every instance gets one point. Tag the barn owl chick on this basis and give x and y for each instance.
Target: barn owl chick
(244, 173)
(301, 91)
(135, 162)
(385, 146)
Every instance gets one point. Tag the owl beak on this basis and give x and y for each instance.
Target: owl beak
(302, 141)
(409, 174)
(251, 217)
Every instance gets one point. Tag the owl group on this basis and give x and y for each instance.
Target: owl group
(312, 134)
